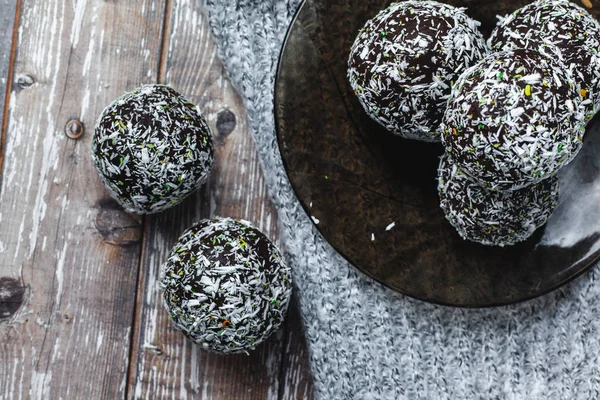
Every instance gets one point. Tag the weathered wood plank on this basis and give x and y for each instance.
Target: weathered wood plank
(296, 381)
(8, 16)
(72, 250)
(164, 363)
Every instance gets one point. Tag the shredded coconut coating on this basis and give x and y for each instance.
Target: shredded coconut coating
(152, 148)
(404, 61)
(226, 286)
(514, 119)
(493, 218)
(557, 28)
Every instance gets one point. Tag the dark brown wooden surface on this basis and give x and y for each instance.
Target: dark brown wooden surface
(80, 314)
(164, 363)
(74, 323)
(374, 195)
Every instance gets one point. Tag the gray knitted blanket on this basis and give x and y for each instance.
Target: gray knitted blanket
(367, 342)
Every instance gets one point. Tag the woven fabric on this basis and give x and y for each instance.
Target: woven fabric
(368, 342)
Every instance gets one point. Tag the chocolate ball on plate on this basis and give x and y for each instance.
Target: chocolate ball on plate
(514, 119)
(495, 218)
(404, 60)
(557, 28)
(152, 148)
(226, 286)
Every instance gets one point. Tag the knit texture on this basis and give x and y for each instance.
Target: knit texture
(368, 342)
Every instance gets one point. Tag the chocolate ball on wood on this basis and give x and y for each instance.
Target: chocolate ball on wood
(226, 286)
(514, 119)
(403, 62)
(152, 148)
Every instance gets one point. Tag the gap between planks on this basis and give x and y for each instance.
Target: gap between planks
(9, 80)
(139, 286)
(284, 384)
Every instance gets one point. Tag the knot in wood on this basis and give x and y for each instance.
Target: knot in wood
(118, 227)
(74, 129)
(226, 123)
(12, 294)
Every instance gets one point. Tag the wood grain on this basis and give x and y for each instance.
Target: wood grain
(70, 337)
(69, 256)
(164, 364)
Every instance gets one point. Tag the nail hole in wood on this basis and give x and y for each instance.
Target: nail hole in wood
(74, 129)
(25, 81)
(12, 294)
(226, 122)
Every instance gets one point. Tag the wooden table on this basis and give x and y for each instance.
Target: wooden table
(80, 313)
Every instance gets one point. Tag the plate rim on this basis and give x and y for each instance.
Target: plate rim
(582, 266)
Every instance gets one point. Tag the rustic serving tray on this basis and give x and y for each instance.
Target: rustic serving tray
(373, 196)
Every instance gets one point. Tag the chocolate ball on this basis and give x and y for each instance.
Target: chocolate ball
(152, 148)
(404, 60)
(495, 218)
(514, 119)
(226, 286)
(561, 29)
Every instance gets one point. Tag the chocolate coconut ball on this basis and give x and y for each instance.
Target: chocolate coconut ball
(557, 28)
(152, 148)
(494, 218)
(404, 61)
(514, 119)
(226, 286)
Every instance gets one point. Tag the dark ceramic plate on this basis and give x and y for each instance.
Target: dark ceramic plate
(356, 179)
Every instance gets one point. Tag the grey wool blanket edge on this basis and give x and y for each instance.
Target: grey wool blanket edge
(368, 342)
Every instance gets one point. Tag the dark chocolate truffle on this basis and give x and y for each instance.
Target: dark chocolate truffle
(226, 286)
(514, 119)
(404, 61)
(152, 148)
(557, 28)
(495, 218)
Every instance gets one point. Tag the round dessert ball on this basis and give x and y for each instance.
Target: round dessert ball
(226, 286)
(557, 28)
(514, 119)
(404, 60)
(152, 148)
(494, 218)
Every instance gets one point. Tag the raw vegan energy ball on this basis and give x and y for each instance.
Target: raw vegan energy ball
(495, 218)
(404, 61)
(152, 149)
(514, 119)
(226, 286)
(557, 28)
